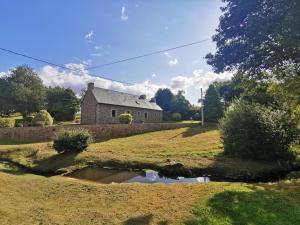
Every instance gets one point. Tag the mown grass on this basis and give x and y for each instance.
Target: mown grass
(197, 148)
(30, 199)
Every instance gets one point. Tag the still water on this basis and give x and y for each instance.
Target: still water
(107, 176)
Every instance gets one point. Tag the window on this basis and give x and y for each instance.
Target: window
(113, 113)
(146, 115)
(139, 113)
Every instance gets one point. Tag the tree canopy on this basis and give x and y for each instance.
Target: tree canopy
(213, 110)
(257, 35)
(164, 98)
(23, 91)
(62, 103)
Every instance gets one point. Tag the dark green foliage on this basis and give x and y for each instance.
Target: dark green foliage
(42, 118)
(213, 110)
(176, 117)
(171, 103)
(72, 140)
(62, 103)
(26, 91)
(6, 106)
(249, 89)
(253, 131)
(164, 98)
(255, 36)
(125, 118)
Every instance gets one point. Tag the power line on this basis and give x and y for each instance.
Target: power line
(102, 65)
(147, 54)
(60, 66)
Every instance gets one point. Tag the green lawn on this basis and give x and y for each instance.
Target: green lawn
(30, 199)
(197, 148)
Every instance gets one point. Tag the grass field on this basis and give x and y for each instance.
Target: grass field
(30, 199)
(196, 148)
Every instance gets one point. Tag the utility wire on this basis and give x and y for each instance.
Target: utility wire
(147, 54)
(102, 65)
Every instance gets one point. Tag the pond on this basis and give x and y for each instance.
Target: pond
(107, 176)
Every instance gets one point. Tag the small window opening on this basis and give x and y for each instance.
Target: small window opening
(113, 113)
(146, 115)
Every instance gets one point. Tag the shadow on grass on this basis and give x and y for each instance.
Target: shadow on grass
(56, 162)
(144, 220)
(194, 130)
(257, 207)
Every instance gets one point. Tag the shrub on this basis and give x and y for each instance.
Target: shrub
(125, 118)
(19, 122)
(176, 117)
(72, 140)
(42, 118)
(5, 122)
(253, 131)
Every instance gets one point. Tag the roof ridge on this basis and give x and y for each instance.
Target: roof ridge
(119, 92)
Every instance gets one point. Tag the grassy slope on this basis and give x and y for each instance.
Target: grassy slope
(195, 147)
(30, 199)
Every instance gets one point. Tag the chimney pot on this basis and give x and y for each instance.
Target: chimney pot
(142, 97)
(91, 86)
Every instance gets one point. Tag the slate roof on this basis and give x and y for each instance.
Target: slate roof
(111, 97)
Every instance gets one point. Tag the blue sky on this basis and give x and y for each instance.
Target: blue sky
(74, 33)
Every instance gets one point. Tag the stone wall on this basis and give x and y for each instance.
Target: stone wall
(88, 109)
(101, 132)
(104, 114)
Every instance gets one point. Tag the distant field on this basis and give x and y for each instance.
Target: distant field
(196, 148)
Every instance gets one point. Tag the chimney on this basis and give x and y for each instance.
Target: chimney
(142, 97)
(91, 86)
(153, 100)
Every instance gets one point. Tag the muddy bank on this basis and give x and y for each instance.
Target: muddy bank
(172, 170)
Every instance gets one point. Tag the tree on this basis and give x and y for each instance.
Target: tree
(26, 90)
(5, 98)
(212, 105)
(181, 105)
(255, 36)
(254, 131)
(164, 98)
(62, 103)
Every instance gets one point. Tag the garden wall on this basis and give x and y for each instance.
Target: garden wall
(101, 131)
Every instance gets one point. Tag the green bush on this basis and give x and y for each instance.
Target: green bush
(6, 122)
(42, 118)
(176, 117)
(125, 118)
(72, 140)
(253, 131)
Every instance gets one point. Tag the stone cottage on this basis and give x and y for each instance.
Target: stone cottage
(104, 106)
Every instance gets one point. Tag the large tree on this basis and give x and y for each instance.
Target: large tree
(26, 90)
(212, 105)
(62, 103)
(257, 35)
(164, 98)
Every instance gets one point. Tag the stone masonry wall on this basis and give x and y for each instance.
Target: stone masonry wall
(104, 114)
(101, 132)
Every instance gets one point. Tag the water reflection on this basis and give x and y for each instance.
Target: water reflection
(107, 176)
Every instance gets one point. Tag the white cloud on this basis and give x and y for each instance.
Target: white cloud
(98, 47)
(97, 54)
(167, 54)
(153, 75)
(89, 36)
(198, 80)
(123, 13)
(173, 62)
(53, 76)
(2, 74)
